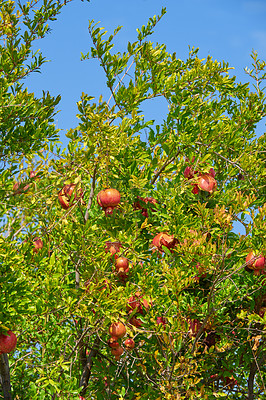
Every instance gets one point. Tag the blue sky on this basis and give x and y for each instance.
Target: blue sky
(225, 29)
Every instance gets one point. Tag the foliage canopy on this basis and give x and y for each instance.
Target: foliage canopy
(201, 330)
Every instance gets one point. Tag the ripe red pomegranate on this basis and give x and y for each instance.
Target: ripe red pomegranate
(163, 239)
(38, 244)
(255, 262)
(122, 264)
(113, 248)
(207, 182)
(108, 199)
(7, 342)
(117, 352)
(129, 344)
(64, 196)
(113, 343)
(117, 330)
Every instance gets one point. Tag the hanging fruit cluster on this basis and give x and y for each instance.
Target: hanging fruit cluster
(108, 200)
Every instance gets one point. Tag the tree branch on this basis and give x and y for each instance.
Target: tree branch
(167, 162)
(91, 193)
(87, 370)
(253, 369)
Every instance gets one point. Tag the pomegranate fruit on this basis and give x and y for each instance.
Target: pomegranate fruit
(7, 342)
(211, 339)
(262, 312)
(117, 352)
(122, 264)
(108, 199)
(113, 343)
(207, 182)
(117, 330)
(255, 262)
(163, 239)
(230, 382)
(64, 196)
(38, 244)
(129, 344)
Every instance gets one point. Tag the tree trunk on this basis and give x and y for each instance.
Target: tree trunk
(5, 377)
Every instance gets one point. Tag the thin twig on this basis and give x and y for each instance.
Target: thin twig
(118, 83)
(91, 193)
(167, 162)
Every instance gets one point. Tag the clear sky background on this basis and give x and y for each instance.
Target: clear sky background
(224, 29)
